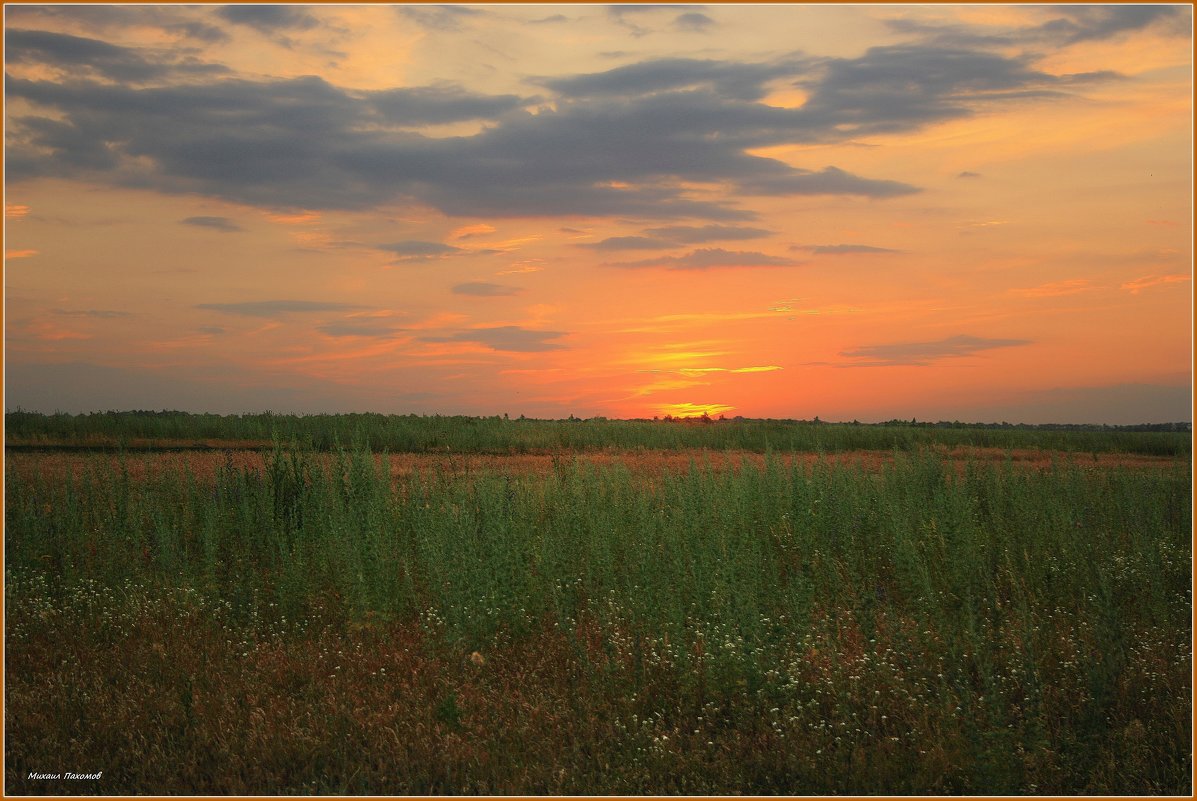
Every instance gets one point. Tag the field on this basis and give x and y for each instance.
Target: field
(364, 605)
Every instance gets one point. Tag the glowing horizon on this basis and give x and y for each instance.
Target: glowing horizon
(978, 213)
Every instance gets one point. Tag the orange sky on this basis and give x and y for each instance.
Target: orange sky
(852, 212)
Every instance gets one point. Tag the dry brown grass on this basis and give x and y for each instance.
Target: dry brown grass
(204, 464)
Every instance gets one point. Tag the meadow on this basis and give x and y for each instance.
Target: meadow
(756, 607)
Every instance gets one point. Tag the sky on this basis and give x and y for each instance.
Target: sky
(942, 212)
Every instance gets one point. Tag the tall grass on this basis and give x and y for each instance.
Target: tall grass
(995, 610)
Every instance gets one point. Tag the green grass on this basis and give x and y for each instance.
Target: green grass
(412, 433)
(800, 630)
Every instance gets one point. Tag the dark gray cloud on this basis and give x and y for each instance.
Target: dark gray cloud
(968, 174)
(269, 18)
(439, 18)
(902, 87)
(710, 258)
(828, 181)
(219, 223)
(417, 250)
(627, 15)
(102, 314)
(622, 143)
(96, 18)
(729, 79)
(353, 328)
(506, 338)
(693, 21)
(629, 243)
(1081, 23)
(214, 330)
(551, 18)
(426, 105)
(84, 56)
(838, 250)
(484, 289)
(277, 308)
(670, 236)
(694, 235)
(922, 353)
(1075, 23)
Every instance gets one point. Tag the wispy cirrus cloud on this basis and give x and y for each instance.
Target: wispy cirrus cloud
(101, 314)
(418, 250)
(698, 234)
(923, 353)
(629, 243)
(693, 22)
(359, 328)
(840, 250)
(1055, 289)
(669, 236)
(269, 18)
(512, 338)
(277, 308)
(440, 18)
(485, 289)
(1139, 284)
(218, 223)
(710, 259)
(88, 57)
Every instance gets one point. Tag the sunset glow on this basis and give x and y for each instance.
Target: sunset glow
(973, 213)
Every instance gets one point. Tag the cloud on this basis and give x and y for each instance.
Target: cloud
(896, 88)
(102, 314)
(829, 181)
(688, 409)
(1083, 23)
(922, 353)
(214, 330)
(628, 243)
(485, 289)
(627, 142)
(219, 223)
(269, 18)
(672, 235)
(358, 329)
(1139, 284)
(20, 254)
(277, 308)
(711, 258)
(512, 338)
(693, 21)
(436, 105)
(439, 18)
(734, 80)
(840, 250)
(1055, 289)
(967, 174)
(471, 231)
(768, 368)
(552, 18)
(416, 250)
(80, 55)
(694, 235)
